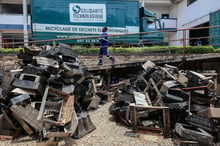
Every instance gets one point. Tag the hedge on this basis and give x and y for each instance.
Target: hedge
(152, 49)
(11, 50)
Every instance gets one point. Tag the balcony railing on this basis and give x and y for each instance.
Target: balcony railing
(169, 24)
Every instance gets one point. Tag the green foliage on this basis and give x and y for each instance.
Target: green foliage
(86, 50)
(217, 50)
(10, 50)
(78, 49)
(54, 43)
(196, 49)
(123, 50)
(150, 49)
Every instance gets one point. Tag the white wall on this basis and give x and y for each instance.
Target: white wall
(16, 19)
(193, 15)
(170, 37)
(158, 10)
(174, 11)
(196, 13)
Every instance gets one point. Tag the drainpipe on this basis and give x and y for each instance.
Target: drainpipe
(25, 23)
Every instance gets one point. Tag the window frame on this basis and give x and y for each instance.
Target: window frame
(189, 2)
(165, 16)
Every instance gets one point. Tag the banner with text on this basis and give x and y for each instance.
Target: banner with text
(87, 12)
(82, 29)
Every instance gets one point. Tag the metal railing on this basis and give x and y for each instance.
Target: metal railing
(119, 40)
(169, 23)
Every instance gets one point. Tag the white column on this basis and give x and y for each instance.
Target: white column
(25, 23)
(187, 37)
(142, 3)
(1, 40)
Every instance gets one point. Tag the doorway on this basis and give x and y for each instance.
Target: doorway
(194, 35)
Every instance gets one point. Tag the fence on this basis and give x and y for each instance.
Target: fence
(140, 40)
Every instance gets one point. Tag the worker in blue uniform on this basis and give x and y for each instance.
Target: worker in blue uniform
(104, 46)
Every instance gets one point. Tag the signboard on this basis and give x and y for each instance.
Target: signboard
(80, 12)
(76, 19)
(77, 29)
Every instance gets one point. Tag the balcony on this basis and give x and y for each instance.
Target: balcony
(13, 22)
(161, 2)
(157, 2)
(169, 24)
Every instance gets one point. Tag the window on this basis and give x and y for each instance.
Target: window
(14, 8)
(189, 2)
(165, 16)
(154, 25)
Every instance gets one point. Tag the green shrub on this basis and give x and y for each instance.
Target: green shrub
(155, 49)
(76, 47)
(86, 50)
(217, 50)
(196, 49)
(11, 50)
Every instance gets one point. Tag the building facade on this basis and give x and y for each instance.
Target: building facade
(185, 14)
(13, 22)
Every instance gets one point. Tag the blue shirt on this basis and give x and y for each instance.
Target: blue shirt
(104, 39)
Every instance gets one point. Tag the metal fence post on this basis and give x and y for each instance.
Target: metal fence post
(13, 41)
(1, 40)
(184, 42)
(114, 44)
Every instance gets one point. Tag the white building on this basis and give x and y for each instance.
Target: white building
(13, 21)
(174, 14)
(184, 14)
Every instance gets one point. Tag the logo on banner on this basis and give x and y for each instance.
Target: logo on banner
(76, 8)
(89, 13)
